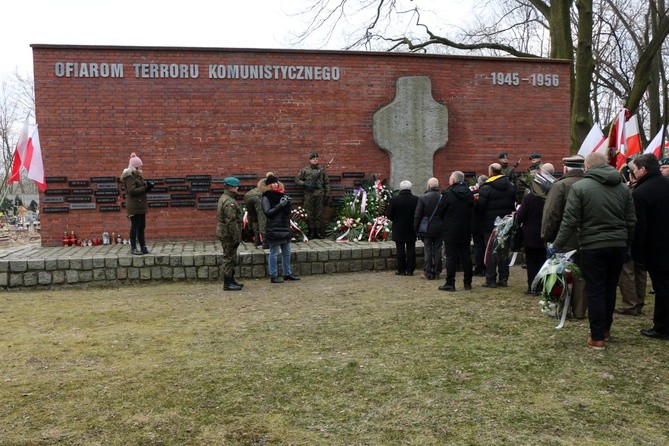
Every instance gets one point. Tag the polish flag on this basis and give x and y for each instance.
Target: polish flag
(34, 162)
(655, 146)
(633, 140)
(620, 132)
(19, 154)
(592, 142)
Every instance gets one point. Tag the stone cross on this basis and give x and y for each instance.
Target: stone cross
(411, 129)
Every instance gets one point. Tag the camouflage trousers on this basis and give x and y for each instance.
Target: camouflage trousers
(229, 258)
(313, 205)
(257, 218)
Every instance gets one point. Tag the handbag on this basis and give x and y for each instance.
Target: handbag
(422, 228)
(516, 242)
(425, 222)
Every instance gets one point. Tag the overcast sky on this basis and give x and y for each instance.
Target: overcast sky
(192, 23)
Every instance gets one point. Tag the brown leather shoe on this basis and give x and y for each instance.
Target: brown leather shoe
(596, 345)
(631, 312)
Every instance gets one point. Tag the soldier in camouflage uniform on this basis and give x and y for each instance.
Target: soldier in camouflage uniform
(257, 218)
(229, 231)
(314, 180)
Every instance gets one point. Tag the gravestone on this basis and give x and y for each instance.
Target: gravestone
(411, 129)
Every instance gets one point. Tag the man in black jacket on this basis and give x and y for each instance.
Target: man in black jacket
(455, 209)
(432, 239)
(401, 210)
(497, 198)
(651, 203)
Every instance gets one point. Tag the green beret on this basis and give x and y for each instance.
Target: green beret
(664, 162)
(535, 156)
(231, 181)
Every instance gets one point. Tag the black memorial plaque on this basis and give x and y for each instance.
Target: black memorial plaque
(245, 188)
(110, 208)
(82, 191)
(174, 180)
(55, 179)
(108, 186)
(182, 196)
(334, 177)
(79, 199)
(57, 192)
(217, 190)
(53, 199)
(82, 206)
(198, 177)
(337, 187)
(79, 183)
(353, 174)
(159, 190)
(104, 179)
(208, 200)
(200, 183)
(106, 199)
(156, 180)
(108, 193)
(157, 204)
(206, 206)
(157, 197)
(56, 210)
(182, 204)
(200, 189)
(179, 187)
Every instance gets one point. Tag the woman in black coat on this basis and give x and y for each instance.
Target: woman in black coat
(276, 207)
(401, 211)
(529, 215)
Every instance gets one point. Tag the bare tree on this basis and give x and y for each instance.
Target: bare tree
(615, 42)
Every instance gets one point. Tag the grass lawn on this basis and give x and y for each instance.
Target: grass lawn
(354, 359)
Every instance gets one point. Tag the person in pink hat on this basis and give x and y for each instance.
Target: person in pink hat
(135, 203)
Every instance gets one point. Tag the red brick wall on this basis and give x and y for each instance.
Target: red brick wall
(221, 127)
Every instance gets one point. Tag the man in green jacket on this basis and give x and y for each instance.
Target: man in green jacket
(229, 231)
(601, 209)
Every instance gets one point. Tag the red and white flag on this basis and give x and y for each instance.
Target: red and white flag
(34, 162)
(28, 154)
(19, 154)
(633, 139)
(592, 142)
(655, 146)
(620, 132)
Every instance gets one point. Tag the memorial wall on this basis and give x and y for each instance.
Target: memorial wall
(197, 115)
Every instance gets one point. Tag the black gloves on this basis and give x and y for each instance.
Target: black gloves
(150, 185)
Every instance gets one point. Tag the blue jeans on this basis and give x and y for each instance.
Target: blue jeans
(601, 270)
(273, 260)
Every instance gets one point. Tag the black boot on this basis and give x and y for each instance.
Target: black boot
(317, 233)
(311, 233)
(234, 282)
(229, 286)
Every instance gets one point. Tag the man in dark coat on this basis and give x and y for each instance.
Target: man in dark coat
(401, 210)
(556, 200)
(651, 203)
(455, 209)
(528, 217)
(497, 198)
(477, 232)
(432, 239)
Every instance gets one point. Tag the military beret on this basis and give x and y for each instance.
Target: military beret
(573, 161)
(313, 155)
(664, 162)
(231, 181)
(503, 155)
(535, 156)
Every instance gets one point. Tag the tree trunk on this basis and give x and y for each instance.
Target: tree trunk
(581, 121)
